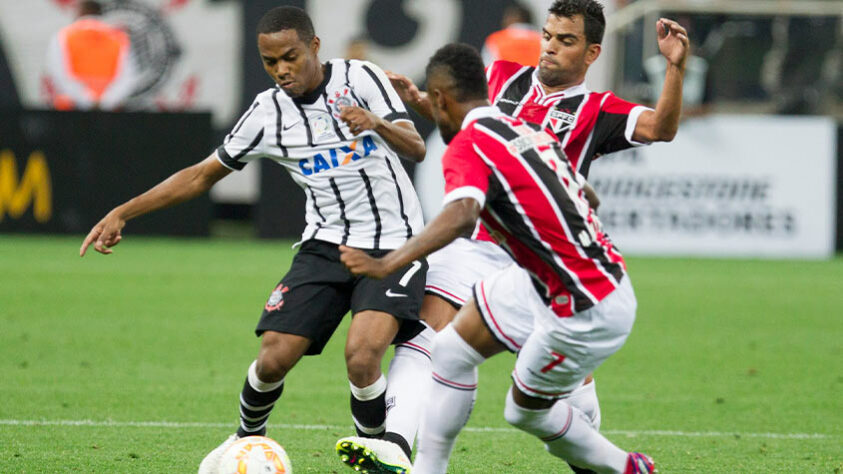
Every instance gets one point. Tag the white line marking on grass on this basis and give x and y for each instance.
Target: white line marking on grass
(470, 429)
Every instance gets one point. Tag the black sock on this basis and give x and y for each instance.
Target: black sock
(368, 409)
(255, 408)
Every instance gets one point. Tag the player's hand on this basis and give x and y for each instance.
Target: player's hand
(359, 119)
(673, 42)
(360, 263)
(406, 88)
(104, 235)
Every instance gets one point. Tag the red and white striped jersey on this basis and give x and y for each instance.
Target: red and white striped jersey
(534, 206)
(589, 124)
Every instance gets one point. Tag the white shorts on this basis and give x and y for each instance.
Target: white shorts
(455, 268)
(555, 354)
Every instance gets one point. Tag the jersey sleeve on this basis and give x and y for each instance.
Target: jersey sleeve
(616, 124)
(466, 174)
(245, 142)
(377, 92)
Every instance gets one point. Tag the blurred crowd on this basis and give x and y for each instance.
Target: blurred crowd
(769, 64)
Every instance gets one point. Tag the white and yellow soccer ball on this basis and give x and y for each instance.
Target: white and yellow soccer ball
(255, 455)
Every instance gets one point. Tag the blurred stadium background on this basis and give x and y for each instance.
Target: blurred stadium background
(750, 190)
(753, 172)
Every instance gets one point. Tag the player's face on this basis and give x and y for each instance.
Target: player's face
(566, 54)
(291, 63)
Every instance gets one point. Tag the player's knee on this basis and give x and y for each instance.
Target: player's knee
(454, 359)
(513, 414)
(522, 418)
(270, 369)
(451, 352)
(363, 365)
(273, 363)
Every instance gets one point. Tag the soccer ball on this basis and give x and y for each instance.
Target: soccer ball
(255, 455)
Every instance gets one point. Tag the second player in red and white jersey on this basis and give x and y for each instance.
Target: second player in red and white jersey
(589, 124)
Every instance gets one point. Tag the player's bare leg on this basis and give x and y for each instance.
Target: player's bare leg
(369, 336)
(437, 312)
(457, 351)
(408, 378)
(278, 354)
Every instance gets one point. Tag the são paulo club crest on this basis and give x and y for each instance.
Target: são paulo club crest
(341, 99)
(560, 120)
(276, 299)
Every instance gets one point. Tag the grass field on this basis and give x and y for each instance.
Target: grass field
(134, 362)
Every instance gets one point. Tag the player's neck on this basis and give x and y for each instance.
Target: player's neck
(317, 80)
(554, 89)
(465, 107)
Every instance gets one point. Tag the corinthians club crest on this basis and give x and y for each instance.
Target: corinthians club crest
(276, 299)
(340, 99)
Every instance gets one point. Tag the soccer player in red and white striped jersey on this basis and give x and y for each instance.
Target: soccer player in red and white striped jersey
(565, 307)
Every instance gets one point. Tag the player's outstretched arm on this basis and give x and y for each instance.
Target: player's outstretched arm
(182, 186)
(663, 123)
(456, 219)
(411, 95)
(401, 136)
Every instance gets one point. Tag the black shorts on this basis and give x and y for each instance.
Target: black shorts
(318, 291)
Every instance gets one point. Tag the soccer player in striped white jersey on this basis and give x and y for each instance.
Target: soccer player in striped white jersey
(338, 128)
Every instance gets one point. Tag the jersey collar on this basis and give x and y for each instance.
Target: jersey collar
(480, 112)
(579, 89)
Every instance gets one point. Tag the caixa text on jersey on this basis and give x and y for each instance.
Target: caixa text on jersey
(337, 156)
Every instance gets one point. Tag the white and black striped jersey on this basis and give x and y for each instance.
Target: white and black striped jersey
(358, 194)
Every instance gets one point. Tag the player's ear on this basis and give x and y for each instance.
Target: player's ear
(592, 53)
(315, 43)
(438, 98)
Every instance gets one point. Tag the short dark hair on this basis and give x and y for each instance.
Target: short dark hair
(287, 18)
(592, 12)
(89, 7)
(464, 65)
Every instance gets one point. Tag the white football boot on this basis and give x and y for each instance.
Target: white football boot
(373, 456)
(211, 463)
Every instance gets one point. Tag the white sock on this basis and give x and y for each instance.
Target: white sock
(370, 392)
(407, 381)
(585, 398)
(449, 400)
(568, 434)
(259, 384)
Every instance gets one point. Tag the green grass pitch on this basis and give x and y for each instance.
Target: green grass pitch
(134, 362)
